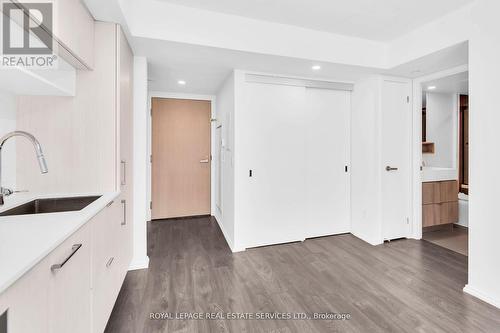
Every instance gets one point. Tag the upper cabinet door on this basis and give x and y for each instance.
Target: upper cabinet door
(67, 22)
(74, 31)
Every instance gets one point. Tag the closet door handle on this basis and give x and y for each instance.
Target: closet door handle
(389, 168)
(124, 173)
(204, 161)
(124, 206)
(74, 249)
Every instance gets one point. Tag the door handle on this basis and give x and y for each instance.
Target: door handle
(204, 161)
(388, 168)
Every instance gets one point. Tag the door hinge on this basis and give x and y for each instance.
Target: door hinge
(151, 205)
(407, 99)
(346, 168)
(151, 158)
(407, 220)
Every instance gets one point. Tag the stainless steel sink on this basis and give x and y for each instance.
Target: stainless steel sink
(51, 205)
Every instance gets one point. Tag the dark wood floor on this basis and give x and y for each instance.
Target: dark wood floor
(402, 286)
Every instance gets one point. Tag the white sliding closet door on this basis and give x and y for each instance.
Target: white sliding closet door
(294, 141)
(327, 182)
(272, 147)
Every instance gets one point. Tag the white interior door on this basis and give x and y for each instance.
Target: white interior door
(396, 111)
(326, 157)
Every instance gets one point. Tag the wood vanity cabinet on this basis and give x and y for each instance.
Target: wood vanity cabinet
(439, 203)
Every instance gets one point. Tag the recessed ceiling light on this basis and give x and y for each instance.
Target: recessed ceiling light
(316, 67)
(431, 87)
(181, 82)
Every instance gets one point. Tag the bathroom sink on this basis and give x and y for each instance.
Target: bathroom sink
(51, 205)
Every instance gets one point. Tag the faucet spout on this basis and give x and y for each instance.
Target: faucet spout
(42, 164)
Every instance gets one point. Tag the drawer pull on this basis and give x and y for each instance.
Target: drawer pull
(124, 173)
(124, 217)
(74, 249)
(110, 261)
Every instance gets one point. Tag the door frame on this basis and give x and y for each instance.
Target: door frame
(417, 175)
(175, 95)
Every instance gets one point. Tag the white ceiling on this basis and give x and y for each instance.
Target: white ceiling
(381, 20)
(455, 84)
(205, 68)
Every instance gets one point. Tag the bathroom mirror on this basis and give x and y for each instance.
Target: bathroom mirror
(445, 121)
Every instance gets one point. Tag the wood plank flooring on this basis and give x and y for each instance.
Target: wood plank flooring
(454, 238)
(402, 286)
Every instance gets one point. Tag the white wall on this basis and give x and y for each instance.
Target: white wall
(484, 179)
(479, 24)
(140, 164)
(365, 157)
(8, 106)
(442, 129)
(225, 117)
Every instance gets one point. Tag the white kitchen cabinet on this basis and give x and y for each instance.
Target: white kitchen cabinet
(97, 127)
(26, 301)
(53, 300)
(124, 103)
(72, 31)
(105, 255)
(75, 33)
(69, 284)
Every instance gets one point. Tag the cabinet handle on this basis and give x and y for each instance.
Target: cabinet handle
(124, 205)
(110, 261)
(124, 173)
(74, 249)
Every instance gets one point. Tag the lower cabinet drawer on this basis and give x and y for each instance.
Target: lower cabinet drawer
(430, 215)
(437, 214)
(449, 212)
(69, 284)
(105, 264)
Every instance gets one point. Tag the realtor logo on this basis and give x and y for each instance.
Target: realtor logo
(27, 29)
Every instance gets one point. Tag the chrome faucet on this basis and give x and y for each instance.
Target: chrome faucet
(39, 155)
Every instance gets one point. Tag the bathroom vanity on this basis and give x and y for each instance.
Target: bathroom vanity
(439, 203)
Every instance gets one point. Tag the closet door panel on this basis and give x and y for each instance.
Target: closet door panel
(326, 123)
(271, 153)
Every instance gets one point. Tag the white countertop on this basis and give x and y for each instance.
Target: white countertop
(434, 174)
(26, 239)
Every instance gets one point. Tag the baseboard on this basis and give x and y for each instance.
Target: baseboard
(368, 240)
(139, 263)
(478, 294)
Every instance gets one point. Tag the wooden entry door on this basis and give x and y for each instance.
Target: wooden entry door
(181, 158)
